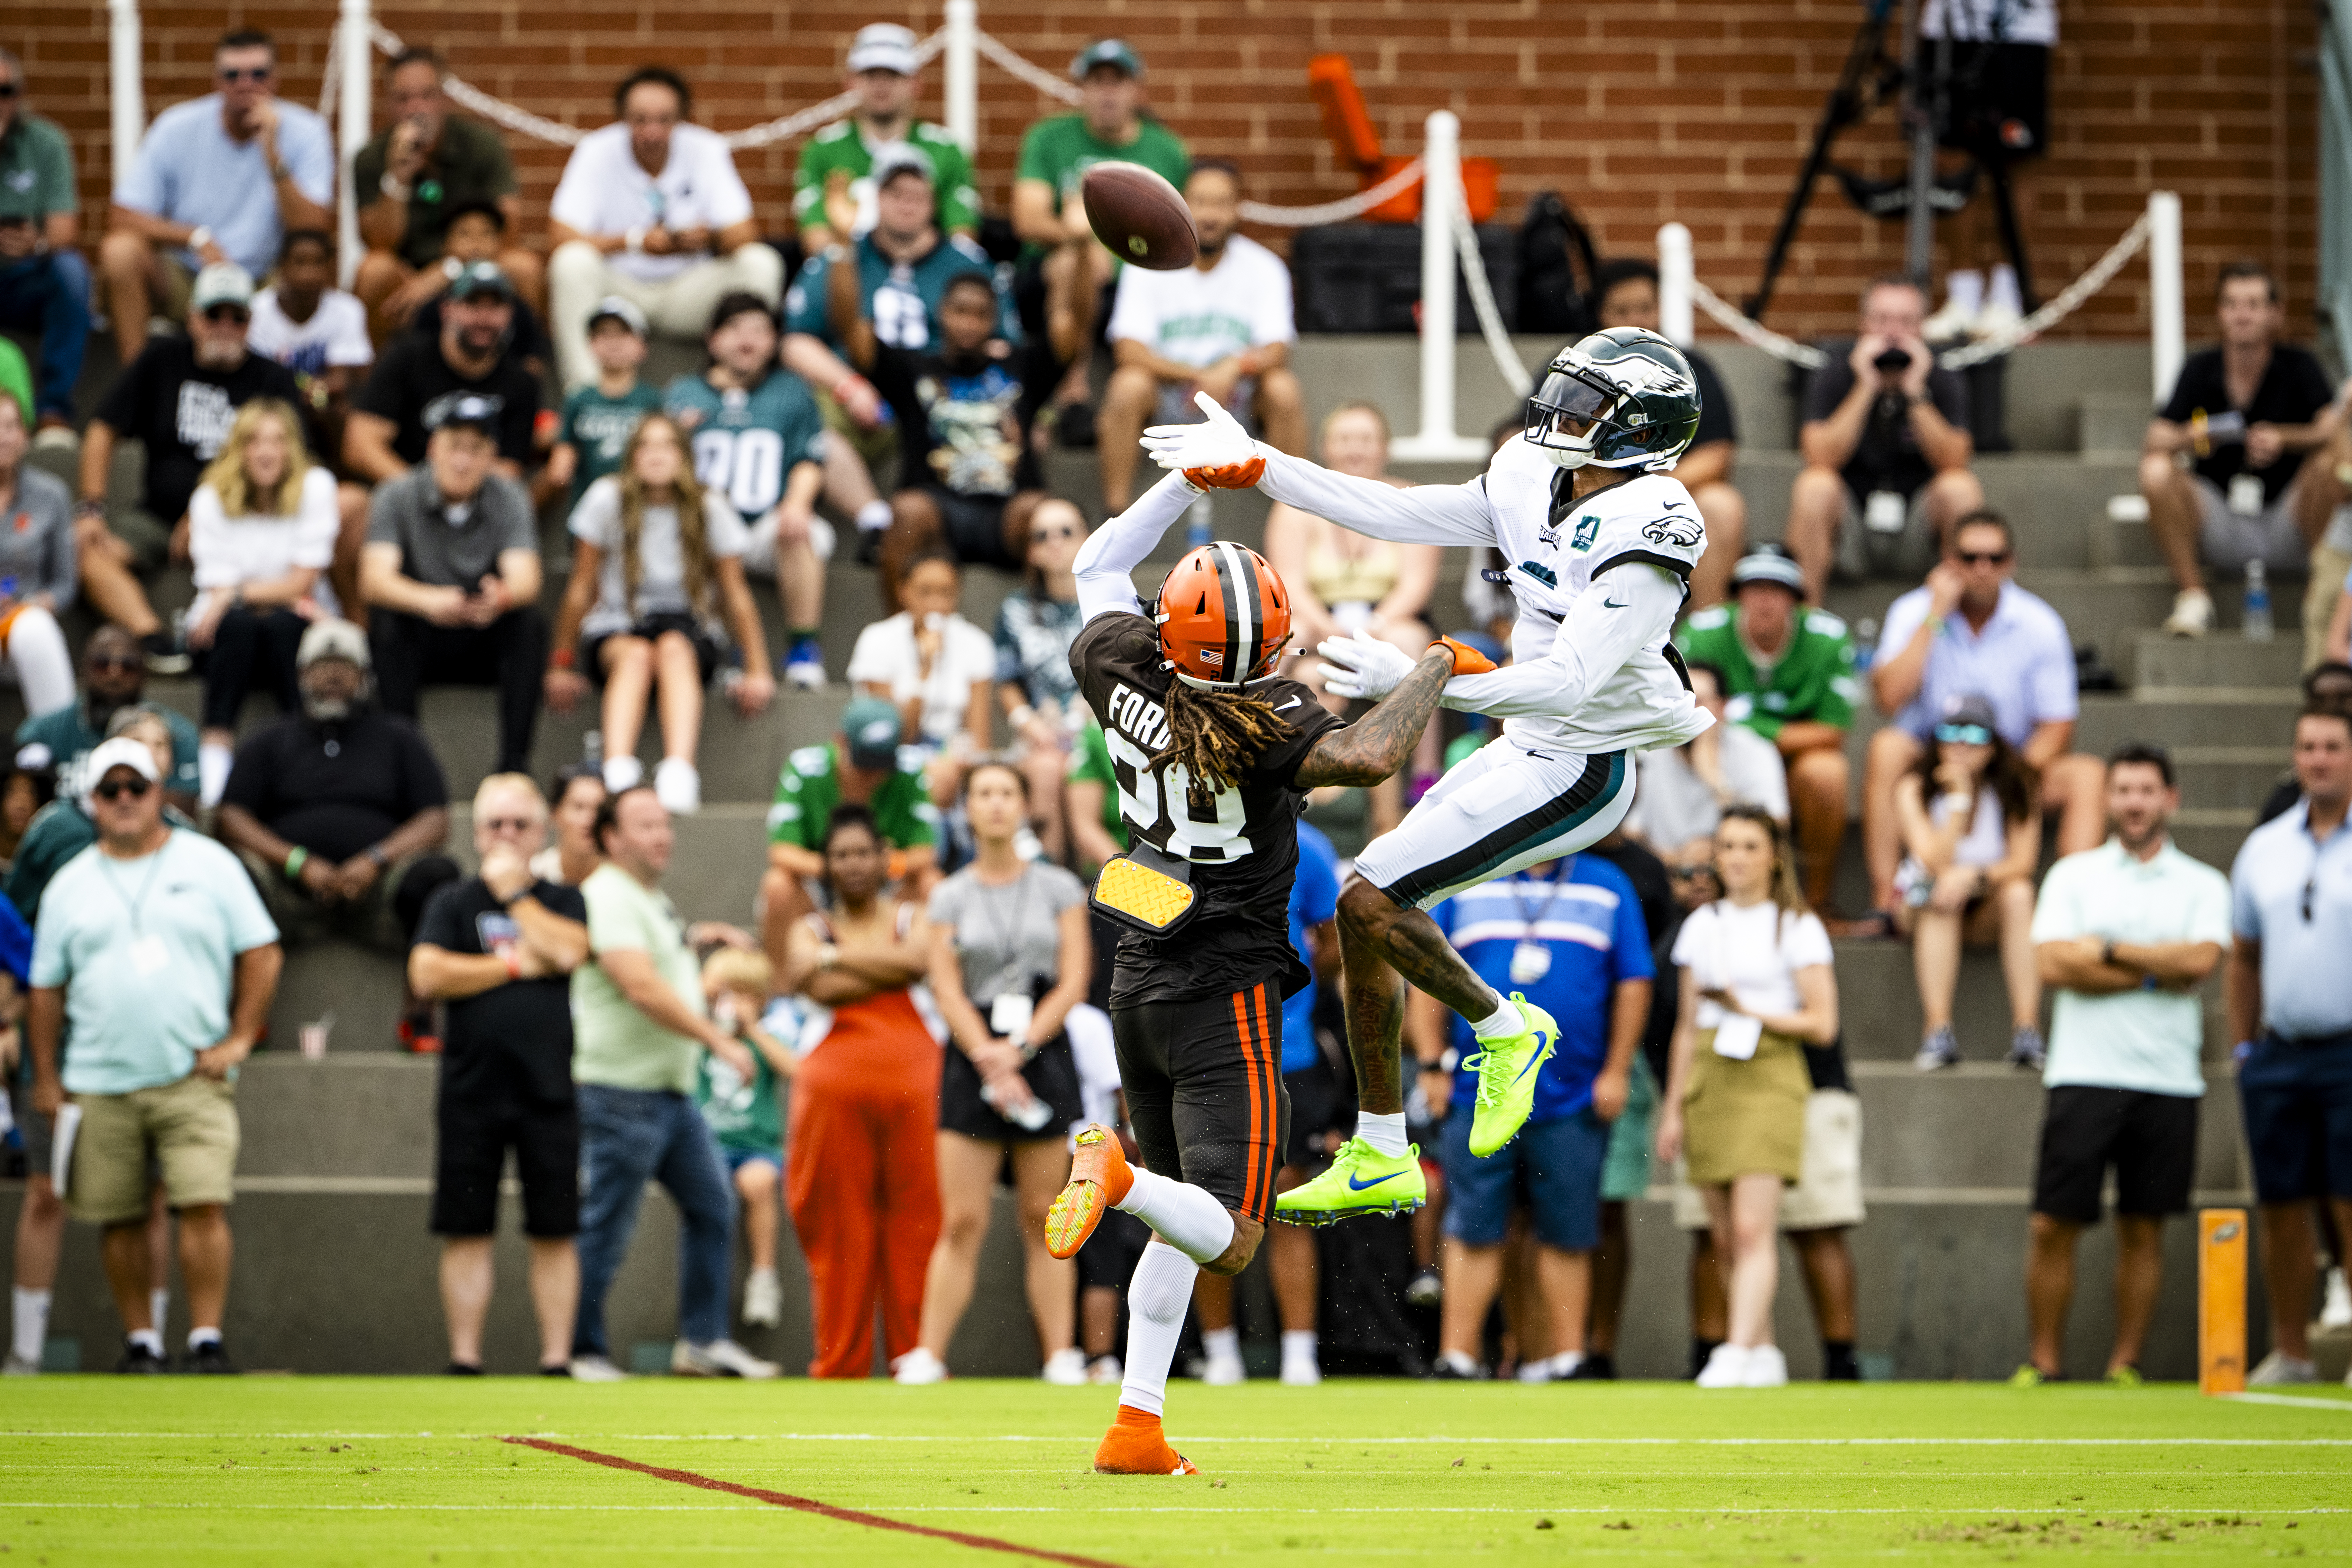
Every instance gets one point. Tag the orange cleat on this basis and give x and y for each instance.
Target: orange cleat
(1100, 1178)
(1135, 1445)
(1468, 661)
(1228, 475)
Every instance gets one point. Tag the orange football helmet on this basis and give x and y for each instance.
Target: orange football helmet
(1224, 617)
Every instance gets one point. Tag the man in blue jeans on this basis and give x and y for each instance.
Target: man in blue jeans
(44, 281)
(639, 1028)
(1569, 936)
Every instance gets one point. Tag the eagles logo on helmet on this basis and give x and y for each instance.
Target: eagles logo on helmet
(1630, 391)
(1224, 617)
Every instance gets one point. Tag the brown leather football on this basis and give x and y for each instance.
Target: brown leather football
(1139, 216)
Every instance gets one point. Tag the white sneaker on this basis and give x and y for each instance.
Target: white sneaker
(53, 437)
(1065, 1369)
(719, 1358)
(1535, 1371)
(918, 1366)
(1952, 324)
(623, 773)
(2192, 613)
(596, 1369)
(2278, 1368)
(678, 787)
(1726, 1368)
(1301, 1372)
(763, 1300)
(2336, 1314)
(1106, 1370)
(1224, 1371)
(1996, 316)
(1766, 1368)
(18, 1367)
(1453, 1366)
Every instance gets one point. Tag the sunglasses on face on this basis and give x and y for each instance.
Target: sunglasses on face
(1982, 557)
(112, 788)
(234, 75)
(7, 89)
(1963, 734)
(1046, 536)
(228, 316)
(102, 661)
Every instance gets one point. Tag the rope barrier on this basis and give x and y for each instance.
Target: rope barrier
(1012, 65)
(1482, 302)
(1337, 211)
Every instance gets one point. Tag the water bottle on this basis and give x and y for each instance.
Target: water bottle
(2256, 624)
(1865, 645)
(1196, 524)
(592, 751)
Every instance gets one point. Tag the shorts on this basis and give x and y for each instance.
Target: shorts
(1052, 1075)
(1527, 807)
(1108, 1260)
(1553, 1167)
(877, 449)
(190, 1129)
(1625, 1172)
(470, 1156)
(2227, 541)
(759, 557)
(1205, 1094)
(385, 917)
(2149, 1139)
(973, 527)
(1314, 1111)
(1864, 551)
(2297, 1101)
(707, 648)
(1828, 1194)
(1999, 97)
(735, 1159)
(149, 537)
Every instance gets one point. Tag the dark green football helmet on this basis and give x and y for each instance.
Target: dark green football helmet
(1631, 392)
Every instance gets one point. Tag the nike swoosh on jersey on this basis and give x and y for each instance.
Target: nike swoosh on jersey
(1355, 1186)
(1286, 707)
(1612, 604)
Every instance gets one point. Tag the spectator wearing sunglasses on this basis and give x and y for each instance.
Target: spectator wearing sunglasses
(2127, 932)
(1969, 630)
(2289, 1010)
(179, 400)
(113, 684)
(216, 179)
(1035, 628)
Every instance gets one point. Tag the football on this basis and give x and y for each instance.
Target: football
(1139, 216)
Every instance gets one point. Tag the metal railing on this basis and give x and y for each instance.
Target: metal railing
(2336, 176)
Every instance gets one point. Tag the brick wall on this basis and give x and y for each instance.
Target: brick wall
(1639, 113)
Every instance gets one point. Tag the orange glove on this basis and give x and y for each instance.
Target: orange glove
(1468, 661)
(1229, 476)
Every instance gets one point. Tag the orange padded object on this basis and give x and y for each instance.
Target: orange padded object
(1331, 82)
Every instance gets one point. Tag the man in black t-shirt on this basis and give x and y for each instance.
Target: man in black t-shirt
(472, 356)
(497, 950)
(1887, 448)
(177, 399)
(1625, 294)
(340, 811)
(2251, 420)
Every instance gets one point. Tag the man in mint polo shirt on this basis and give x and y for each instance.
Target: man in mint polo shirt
(639, 1028)
(2125, 934)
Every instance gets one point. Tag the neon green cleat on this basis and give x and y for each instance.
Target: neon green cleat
(1361, 1180)
(1506, 1072)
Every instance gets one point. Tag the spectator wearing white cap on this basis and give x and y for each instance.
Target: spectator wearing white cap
(832, 187)
(651, 208)
(340, 811)
(178, 400)
(156, 956)
(216, 179)
(601, 415)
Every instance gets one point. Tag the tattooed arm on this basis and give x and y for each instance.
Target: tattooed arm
(1377, 745)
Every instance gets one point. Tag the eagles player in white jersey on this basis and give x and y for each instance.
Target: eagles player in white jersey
(1599, 541)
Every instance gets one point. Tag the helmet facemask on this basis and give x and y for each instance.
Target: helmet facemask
(1569, 397)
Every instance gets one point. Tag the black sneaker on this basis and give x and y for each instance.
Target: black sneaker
(869, 546)
(1597, 1367)
(461, 1369)
(163, 655)
(1453, 1369)
(561, 1369)
(137, 1358)
(210, 1357)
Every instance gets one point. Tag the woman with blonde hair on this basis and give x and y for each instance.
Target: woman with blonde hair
(36, 570)
(1342, 583)
(657, 580)
(1757, 987)
(262, 525)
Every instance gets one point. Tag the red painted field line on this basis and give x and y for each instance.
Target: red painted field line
(809, 1505)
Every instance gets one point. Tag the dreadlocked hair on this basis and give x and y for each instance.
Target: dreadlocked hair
(693, 546)
(1217, 734)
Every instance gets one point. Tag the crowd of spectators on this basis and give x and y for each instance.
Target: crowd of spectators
(357, 483)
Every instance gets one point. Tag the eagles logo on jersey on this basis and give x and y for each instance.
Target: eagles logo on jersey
(1688, 532)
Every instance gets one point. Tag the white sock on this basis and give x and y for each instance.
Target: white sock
(1297, 1345)
(1184, 1215)
(1965, 289)
(1504, 1021)
(2004, 290)
(31, 1323)
(1222, 1344)
(212, 762)
(1566, 1361)
(1156, 1298)
(199, 1338)
(1383, 1129)
(151, 1339)
(872, 517)
(159, 1307)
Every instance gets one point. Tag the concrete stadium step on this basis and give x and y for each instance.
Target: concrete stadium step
(1878, 1004)
(2218, 659)
(2040, 491)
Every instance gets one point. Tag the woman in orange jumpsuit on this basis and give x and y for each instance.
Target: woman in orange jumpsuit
(859, 1170)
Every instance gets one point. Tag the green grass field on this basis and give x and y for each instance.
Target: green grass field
(334, 1471)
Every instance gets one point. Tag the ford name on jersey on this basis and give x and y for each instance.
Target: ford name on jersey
(1143, 721)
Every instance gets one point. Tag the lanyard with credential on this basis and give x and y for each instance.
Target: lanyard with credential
(1530, 959)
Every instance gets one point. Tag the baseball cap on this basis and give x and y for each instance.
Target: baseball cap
(1769, 563)
(615, 307)
(884, 47)
(222, 283)
(1107, 52)
(1968, 709)
(481, 277)
(332, 639)
(894, 158)
(122, 751)
(872, 725)
(464, 411)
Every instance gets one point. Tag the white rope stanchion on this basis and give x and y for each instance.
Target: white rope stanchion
(1338, 212)
(1009, 61)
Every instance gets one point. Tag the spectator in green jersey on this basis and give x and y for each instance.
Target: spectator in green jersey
(1789, 676)
(833, 188)
(600, 416)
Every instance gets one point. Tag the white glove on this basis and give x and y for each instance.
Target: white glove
(1362, 666)
(1220, 443)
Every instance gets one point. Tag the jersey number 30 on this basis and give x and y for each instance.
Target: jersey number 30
(1145, 797)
